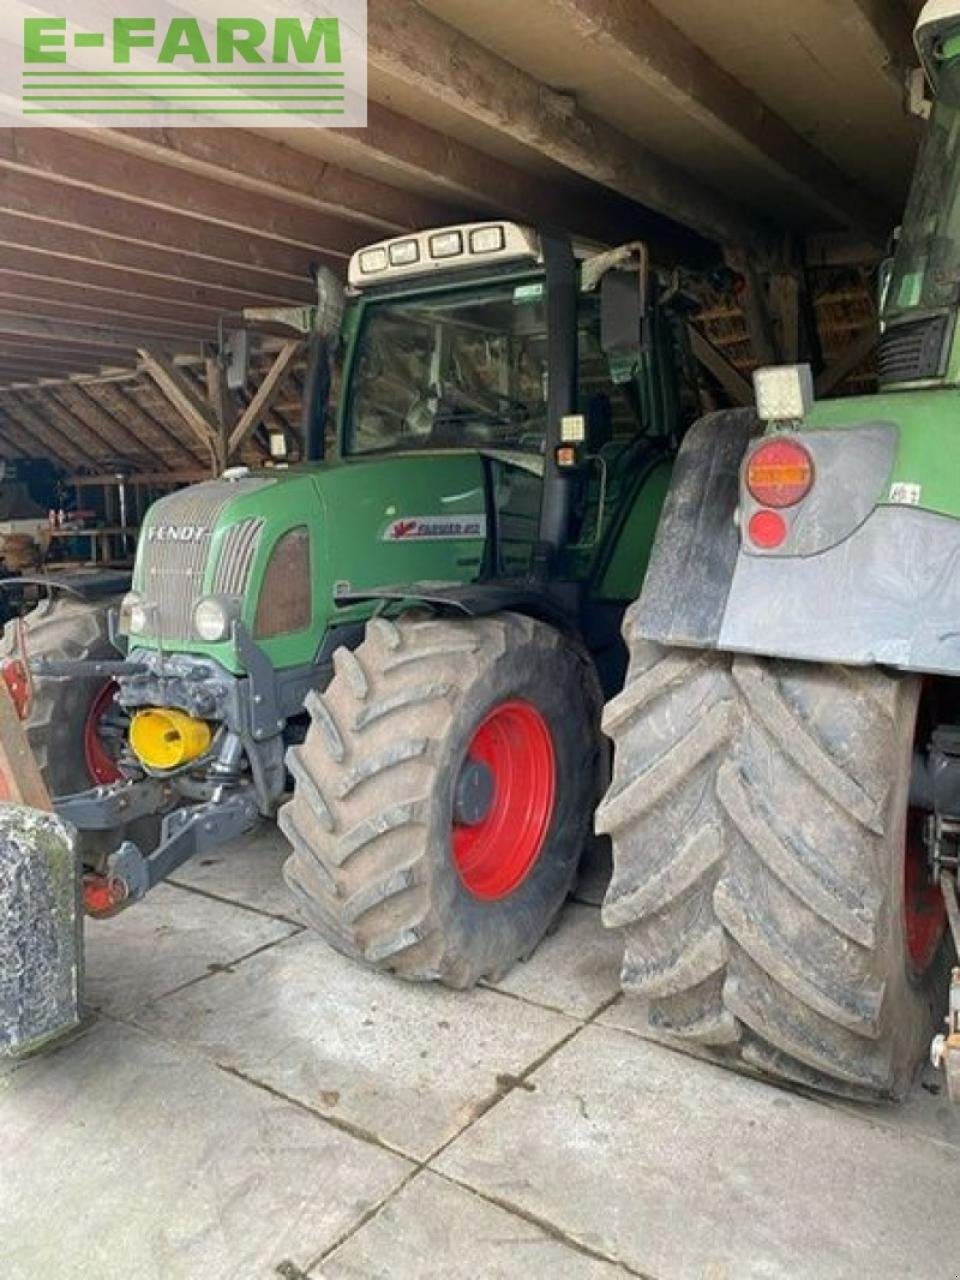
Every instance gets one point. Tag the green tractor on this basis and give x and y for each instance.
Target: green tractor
(785, 805)
(418, 630)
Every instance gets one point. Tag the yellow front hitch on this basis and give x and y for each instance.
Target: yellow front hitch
(164, 738)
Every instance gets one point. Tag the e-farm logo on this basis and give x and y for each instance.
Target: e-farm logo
(215, 63)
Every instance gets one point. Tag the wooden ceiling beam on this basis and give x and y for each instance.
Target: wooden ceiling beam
(91, 246)
(45, 433)
(265, 395)
(122, 403)
(90, 409)
(96, 437)
(63, 331)
(79, 163)
(141, 320)
(426, 54)
(24, 284)
(103, 280)
(643, 45)
(884, 29)
(180, 391)
(75, 207)
(252, 162)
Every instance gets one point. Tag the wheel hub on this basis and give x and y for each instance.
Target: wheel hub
(504, 800)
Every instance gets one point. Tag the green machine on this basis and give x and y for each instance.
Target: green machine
(785, 806)
(416, 630)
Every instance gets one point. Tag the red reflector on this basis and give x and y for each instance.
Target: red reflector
(103, 896)
(780, 473)
(17, 680)
(767, 529)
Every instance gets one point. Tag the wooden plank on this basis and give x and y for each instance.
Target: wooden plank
(785, 306)
(45, 330)
(92, 247)
(121, 402)
(756, 311)
(181, 394)
(265, 395)
(81, 403)
(102, 300)
(852, 358)
(20, 778)
(427, 54)
(255, 163)
(45, 436)
(80, 163)
(141, 319)
(95, 436)
(733, 382)
(641, 43)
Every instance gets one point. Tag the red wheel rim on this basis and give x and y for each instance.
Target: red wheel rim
(923, 909)
(101, 765)
(494, 855)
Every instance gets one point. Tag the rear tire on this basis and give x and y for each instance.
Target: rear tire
(372, 816)
(758, 816)
(64, 629)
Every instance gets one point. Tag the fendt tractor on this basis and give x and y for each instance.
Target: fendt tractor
(418, 630)
(785, 808)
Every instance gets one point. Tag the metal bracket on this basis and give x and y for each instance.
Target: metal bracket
(105, 808)
(109, 668)
(266, 717)
(186, 832)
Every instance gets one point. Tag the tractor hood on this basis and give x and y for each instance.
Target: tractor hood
(277, 548)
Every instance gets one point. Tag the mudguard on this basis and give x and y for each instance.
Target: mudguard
(862, 579)
(695, 551)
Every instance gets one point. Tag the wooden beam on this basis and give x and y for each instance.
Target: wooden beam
(756, 310)
(197, 414)
(733, 382)
(54, 332)
(265, 394)
(91, 246)
(80, 163)
(50, 436)
(884, 30)
(97, 437)
(785, 309)
(102, 300)
(427, 54)
(81, 403)
(642, 44)
(29, 444)
(122, 404)
(140, 318)
(852, 358)
(74, 206)
(252, 162)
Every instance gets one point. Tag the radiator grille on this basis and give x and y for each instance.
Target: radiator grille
(236, 559)
(910, 352)
(174, 548)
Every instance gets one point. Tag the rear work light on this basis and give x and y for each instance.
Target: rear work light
(780, 473)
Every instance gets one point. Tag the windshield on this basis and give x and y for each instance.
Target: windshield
(461, 369)
(926, 270)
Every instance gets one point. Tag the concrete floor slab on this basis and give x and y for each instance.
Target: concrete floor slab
(170, 938)
(124, 1158)
(407, 1063)
(248, 871)
(576, 969)
(681, 1169)
(433, 1230)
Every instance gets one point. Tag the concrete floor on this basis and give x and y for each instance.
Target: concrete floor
(249, 1105)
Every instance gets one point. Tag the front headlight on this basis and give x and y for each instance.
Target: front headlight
(134, 615)
(213, 617)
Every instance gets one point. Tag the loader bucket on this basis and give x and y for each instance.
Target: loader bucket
(40, 930)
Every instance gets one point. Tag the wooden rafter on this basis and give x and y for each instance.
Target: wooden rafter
(265, 394)
(733, 382)
(410, 44)
(181, 393)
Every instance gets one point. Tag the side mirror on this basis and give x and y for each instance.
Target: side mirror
(330, 303)
(622, 314)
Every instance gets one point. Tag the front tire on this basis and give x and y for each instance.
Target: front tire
(758, 813)
(444, 794)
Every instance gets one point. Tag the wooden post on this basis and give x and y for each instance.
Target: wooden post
(20, 780)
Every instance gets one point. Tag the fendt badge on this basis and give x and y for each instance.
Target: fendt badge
(177, 533)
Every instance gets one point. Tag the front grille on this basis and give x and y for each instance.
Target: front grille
(236, 559)
(911, 352)
(173, 552)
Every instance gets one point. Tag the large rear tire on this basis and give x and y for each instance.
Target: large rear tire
(758, 813)
(444, 793)
(74, 727)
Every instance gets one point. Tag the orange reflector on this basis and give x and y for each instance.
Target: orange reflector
(780, 473)
(767, 529)
(566, 456)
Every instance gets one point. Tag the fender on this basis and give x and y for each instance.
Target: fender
(697, 543)
(861, 580)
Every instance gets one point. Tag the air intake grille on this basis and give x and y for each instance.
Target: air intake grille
(173, 551)
(910, 352)
(236, 559)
